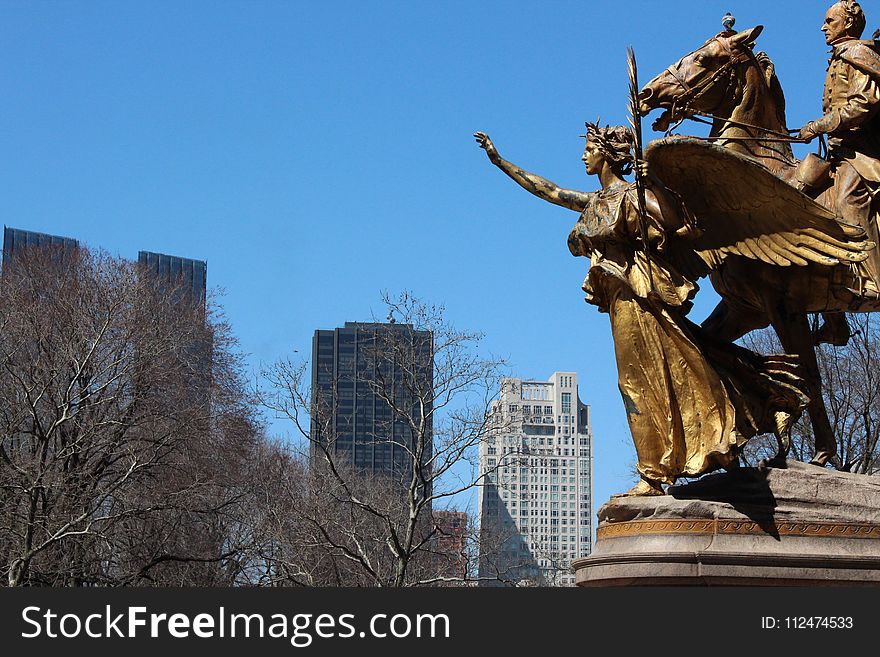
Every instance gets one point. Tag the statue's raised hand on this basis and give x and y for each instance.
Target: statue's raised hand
(486, 144)
(540, 187)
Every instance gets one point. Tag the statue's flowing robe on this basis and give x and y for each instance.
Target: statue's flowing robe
(691, 402)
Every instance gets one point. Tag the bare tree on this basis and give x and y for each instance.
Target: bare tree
(852, 396)
(433, 399)
(122, 428)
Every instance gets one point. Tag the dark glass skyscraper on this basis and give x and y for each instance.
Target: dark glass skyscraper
(17, 242)
(185, 282)
(368, 381)
(190, 275)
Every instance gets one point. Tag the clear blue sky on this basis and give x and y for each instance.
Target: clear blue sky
(317, 153)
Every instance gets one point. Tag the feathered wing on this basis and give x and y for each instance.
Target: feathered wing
(743, 209)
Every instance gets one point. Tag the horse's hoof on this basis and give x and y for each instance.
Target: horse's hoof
(779, 462)
(821, 459)
(835, 331)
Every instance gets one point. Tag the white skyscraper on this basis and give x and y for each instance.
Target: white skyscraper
(536, 502)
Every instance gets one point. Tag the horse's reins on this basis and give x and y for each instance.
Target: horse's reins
(699, 117)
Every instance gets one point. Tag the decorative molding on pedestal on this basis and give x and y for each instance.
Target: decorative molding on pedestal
(799, 526)
(641, 527)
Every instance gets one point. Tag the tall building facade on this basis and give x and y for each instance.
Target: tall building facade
(361, 373)
(184, 278)
(17, 242)
(190, 277)
(185, 283)
(536, 502)
(450, 543)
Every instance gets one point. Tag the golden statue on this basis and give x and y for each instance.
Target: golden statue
(778, 238)
(725, 83)
(691, 400)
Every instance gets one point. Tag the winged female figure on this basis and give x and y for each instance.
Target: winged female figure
(692, 401)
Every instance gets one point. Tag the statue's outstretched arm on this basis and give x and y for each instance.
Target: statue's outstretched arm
(541, 187)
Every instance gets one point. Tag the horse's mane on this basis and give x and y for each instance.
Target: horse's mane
(773, 85)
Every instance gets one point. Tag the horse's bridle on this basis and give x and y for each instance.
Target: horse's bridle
(692, 93)
(681, 104)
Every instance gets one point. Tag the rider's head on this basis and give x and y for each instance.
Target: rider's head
(845, 20)
(609, 144)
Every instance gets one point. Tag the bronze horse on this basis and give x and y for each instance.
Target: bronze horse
(726, 83)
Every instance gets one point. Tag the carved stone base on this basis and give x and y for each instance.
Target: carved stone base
(799, 526)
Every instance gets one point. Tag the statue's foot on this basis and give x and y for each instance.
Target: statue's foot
(783, 421)
(835, 330)
(642, 489)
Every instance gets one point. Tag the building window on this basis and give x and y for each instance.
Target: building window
(566, 402)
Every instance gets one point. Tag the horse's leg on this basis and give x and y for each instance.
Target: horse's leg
(730, 321)
(794, 333)
(742, 307)
(835, 330)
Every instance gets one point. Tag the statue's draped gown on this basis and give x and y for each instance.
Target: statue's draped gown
(691, 402)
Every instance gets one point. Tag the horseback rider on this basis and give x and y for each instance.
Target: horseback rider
(850, 104)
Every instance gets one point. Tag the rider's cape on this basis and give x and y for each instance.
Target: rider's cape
(861, 54)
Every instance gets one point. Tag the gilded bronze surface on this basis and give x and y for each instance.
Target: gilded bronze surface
(736, 89)
(777, 238)
(691, 527)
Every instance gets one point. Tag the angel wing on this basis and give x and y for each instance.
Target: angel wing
(743, 209)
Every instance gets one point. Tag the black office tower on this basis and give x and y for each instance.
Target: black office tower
(187, 276)
(371, 384)
(18, 243)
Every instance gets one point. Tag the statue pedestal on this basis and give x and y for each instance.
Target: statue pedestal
(799, 526)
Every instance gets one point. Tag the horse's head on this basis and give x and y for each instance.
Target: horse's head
(706, 81)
